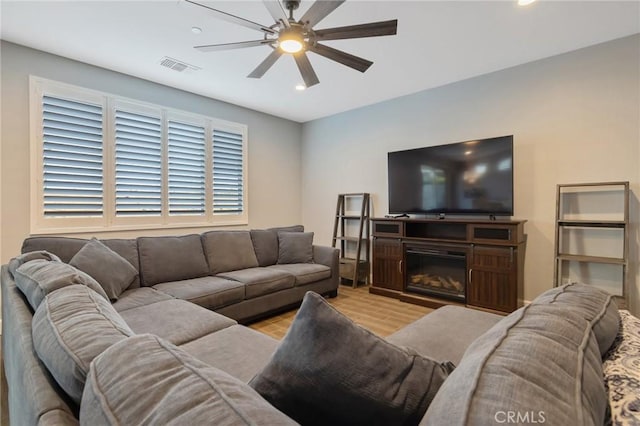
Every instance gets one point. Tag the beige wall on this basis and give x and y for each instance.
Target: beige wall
(274, 143)
(575, 118)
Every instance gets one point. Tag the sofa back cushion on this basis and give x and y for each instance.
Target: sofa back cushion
(39, 277)
(70, 328)
(540, 363)
(170, 387)
(593, 304)
(19, 260)
(228, 251)
(164, 259)
(65, 248)
(265, 243)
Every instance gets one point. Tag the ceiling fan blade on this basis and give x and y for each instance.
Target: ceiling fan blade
(344, 58)
(373, 29)
(235, 19)
(318, 11)
(266, 64)
(306, 70)
(277, 12)
(229, 46)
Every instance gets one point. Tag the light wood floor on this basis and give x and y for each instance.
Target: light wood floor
(380, 315)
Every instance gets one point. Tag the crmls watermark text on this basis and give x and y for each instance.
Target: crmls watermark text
(520, 417)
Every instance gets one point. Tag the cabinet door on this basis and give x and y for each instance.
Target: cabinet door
(387, 264)
(493, 278)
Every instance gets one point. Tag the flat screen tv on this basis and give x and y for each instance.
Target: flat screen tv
(465, 178)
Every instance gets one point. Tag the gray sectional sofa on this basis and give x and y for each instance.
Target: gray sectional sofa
(239, 274)
(72, 357)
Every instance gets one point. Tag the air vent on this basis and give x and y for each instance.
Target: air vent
(177, 65)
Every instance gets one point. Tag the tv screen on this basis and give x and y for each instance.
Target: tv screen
(473, 177)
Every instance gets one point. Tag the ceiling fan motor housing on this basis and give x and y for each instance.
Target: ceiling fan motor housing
(291, 4)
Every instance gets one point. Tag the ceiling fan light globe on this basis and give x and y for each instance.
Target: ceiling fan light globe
(290, 46)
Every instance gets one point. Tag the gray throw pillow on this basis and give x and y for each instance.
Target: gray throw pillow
(329, 371)
(39, 277)
(112, 271)
(295, 247)
(148, 381)
(71, 327)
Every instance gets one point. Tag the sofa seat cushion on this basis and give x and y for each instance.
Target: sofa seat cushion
(177, 321)
(164, 259)
(261, 281)
(444, 326)
(305, 273)
(146, 380)
(593, 304)
(71, 327)
(228, 251)
(39, 277)
(329, 371)
(237, 350)
(539, 361)
(208, 292)
(137, 297)
(112, 271)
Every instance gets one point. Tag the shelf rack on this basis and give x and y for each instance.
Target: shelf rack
(354, 262)
(593, 209)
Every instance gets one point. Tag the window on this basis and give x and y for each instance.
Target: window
(187, 152)
(72, 158)
(138, 164)
(103, 162)
(227, 172)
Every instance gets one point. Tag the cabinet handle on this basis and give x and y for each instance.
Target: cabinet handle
(400, 266)
(470, 270)
(511, 255)
(509, 234)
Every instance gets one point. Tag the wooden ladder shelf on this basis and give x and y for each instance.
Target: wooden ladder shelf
(354, 244)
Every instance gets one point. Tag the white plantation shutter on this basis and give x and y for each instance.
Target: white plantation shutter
(228, 181)
(103, 162)
(186, 168)
(138, 168)
(72, 158)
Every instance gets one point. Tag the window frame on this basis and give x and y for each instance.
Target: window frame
(109, 221)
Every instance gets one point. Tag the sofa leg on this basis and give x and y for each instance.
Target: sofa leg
(333, 294)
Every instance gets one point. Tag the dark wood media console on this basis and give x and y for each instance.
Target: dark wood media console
(436, 262)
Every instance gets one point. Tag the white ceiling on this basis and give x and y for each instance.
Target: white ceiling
(438, 42)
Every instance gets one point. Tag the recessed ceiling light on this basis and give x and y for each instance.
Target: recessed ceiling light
(300, 87)
(196, 30)
(525, 2)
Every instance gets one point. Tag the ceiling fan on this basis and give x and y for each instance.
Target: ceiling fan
(298, 37)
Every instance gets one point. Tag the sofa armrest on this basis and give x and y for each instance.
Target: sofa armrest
(327, 256)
